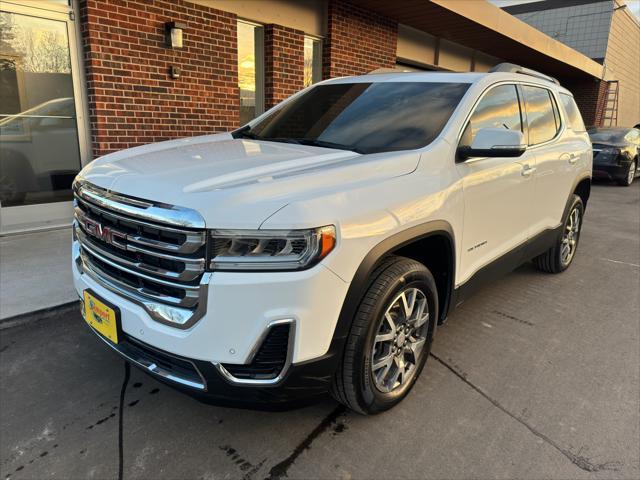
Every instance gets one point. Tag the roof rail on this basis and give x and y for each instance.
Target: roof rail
(513, 68)
(388, 70)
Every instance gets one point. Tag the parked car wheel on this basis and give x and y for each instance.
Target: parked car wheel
(631, 174)
(558, 258)
(390, 338)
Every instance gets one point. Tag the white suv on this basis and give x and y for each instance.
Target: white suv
(317, 248)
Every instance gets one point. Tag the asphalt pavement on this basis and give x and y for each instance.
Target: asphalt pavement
(536, 377)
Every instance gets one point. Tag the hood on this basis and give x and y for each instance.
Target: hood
(238, 183)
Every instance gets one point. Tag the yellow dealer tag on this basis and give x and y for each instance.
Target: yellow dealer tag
(101, 317)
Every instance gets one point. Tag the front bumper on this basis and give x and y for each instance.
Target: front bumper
(241, 307)
(301, 384)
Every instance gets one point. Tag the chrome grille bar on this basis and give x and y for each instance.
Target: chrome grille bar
(193, 240)
(138, 208)
(193, 268)
(158, 265)
(124, 287)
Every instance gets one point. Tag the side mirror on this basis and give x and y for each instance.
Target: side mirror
(494, 142)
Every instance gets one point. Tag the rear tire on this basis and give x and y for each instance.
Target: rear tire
(558, 258)
(393, 327)
(631, 174)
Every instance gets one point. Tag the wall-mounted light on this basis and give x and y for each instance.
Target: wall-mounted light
(173, 34)
(175, 72)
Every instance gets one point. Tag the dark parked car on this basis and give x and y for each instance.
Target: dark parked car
(615, 153)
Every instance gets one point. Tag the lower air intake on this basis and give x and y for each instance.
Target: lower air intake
(270, 359)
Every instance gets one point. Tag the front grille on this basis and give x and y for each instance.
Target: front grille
(270, 359)
(141, 258)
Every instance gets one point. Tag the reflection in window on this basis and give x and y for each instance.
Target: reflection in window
(499, 108)
(250, 71)
(312, 61)
(39, 152)
(371, 117)
(573, 114)
(540, 114)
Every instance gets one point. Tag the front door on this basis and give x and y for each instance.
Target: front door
(498, 192)
(42, 142)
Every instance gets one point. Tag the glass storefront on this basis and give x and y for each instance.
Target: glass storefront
(38, 128)
(40, 150)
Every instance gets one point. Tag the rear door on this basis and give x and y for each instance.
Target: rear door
(559, 151)
(498, 191)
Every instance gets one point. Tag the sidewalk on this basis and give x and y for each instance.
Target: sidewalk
(35, 272)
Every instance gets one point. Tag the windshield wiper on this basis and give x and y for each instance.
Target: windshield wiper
(245, 132)
(325, 144)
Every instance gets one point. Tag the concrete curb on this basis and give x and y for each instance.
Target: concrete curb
(37, 315)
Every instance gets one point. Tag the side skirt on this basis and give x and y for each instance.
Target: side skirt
(506, 264)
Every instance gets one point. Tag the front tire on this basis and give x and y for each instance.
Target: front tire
(631, 174)
(558, 258)
(390, 338)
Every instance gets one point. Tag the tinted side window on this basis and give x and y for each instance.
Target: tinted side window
(542, 122)
(499, 108)
(573, 114)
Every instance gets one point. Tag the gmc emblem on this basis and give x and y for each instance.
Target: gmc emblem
(106, 234)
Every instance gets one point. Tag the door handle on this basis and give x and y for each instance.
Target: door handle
(527, 171)
(570, 157)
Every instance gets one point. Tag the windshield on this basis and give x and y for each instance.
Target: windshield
(606, 136)
(363, 117)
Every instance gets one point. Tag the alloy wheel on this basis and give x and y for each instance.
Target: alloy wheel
(632, 173)
(570, 237)
(400, 340)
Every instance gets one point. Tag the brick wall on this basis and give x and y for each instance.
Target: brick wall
(590, 97)
(132, 99)
(283, 63)
(357, 41)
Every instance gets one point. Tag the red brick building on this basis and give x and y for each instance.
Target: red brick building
(82, 78)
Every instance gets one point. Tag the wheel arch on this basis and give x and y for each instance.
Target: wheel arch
(583, 190)
(409, 243)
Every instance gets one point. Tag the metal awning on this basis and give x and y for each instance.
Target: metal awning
(482, 26)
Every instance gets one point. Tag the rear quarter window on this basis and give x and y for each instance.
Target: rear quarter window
(574, 119)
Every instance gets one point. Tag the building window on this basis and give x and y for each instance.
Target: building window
(312, 60)
(250, 70)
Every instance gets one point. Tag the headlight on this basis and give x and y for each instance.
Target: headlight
(269, 249)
